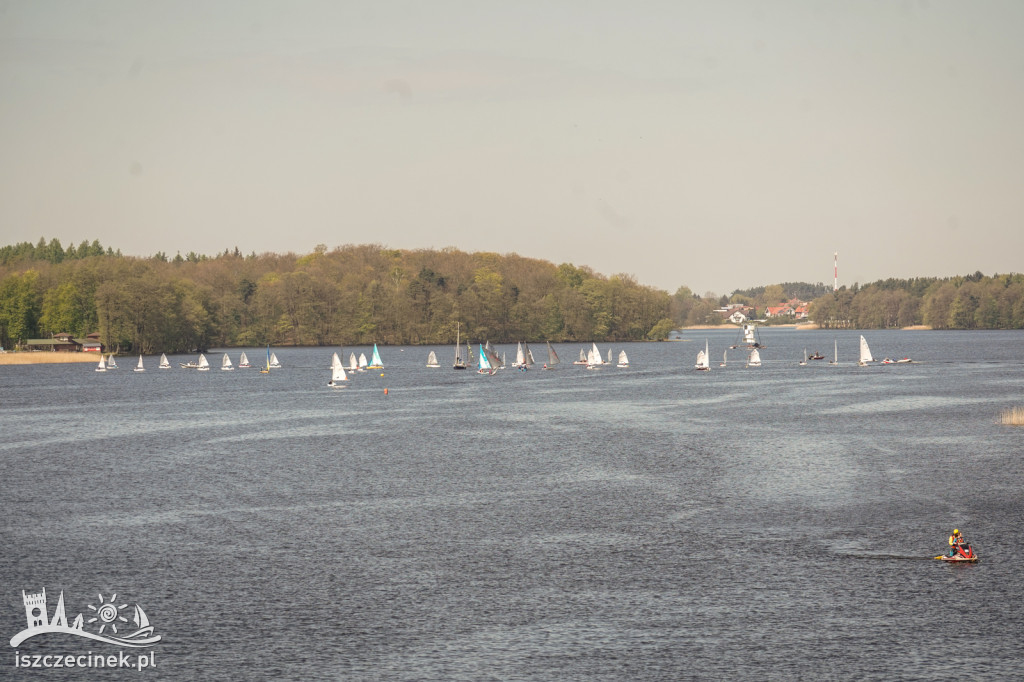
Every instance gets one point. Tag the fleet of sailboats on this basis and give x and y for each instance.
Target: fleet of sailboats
(489, 361)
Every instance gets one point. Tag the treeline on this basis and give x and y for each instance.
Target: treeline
(349, 295)
(52, 251)
(963, 302)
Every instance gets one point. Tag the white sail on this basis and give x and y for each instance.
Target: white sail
(243, 361)
(623, 359)
(804, 361)
(583, 358)
(520, 356)
(528, 355)
(111, 362)
(338, 376)
(164, 362)
(703, 360)
(609, 356)
(225, 363)
(432, 360)
(362, 362)
(865, 352)
(139, 367)
(835, 352)
(754, 359)
(204, 364)
(102, 367)
(353, 364)
(594, 357)
(459, 362)
(725, 355)
(274, 363)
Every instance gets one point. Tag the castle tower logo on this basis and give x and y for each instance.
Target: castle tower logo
(107, 617)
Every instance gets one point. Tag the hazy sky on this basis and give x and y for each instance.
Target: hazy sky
(717, 145)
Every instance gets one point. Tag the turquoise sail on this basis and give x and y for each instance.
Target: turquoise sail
(375, 361)
(485, 364)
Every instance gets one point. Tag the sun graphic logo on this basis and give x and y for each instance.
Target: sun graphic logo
(112, 626)
(108, 614)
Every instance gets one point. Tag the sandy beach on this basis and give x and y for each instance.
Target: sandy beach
(46, 358)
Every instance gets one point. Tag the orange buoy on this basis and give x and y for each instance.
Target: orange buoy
(385, 391)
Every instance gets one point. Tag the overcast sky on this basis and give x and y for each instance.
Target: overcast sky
(716, 145)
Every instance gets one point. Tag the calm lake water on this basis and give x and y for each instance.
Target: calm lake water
(650, 523)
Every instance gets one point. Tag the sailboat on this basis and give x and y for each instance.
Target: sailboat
(102, 367)
(835, 360)
(338, 377)
(362, 362)
(225, 364)
(520, 355)
(353, 364)
(459, 363)
(139, 367)
(432, 360)
(552, 357)
(748, 337)
(375, 361)
(204, 364)
(164, 362)
(243, 361)
(609, 356)
(111, 362)
(754, 359)
(274, 364)
(623, 359)
(803, 363)
(484, 365)
(498, 363)
(266, 370)
(594, 357)
(583, 358)
(725, 354)
(865, 352)
(703, 360)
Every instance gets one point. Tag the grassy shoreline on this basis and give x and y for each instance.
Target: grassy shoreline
(46, 358)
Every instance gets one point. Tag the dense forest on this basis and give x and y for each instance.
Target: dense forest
(363, 294)
(349, 295)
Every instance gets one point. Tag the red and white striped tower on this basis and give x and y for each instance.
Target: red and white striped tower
(835, 283)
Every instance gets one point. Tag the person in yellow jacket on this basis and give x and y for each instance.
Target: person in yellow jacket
(955, 540)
